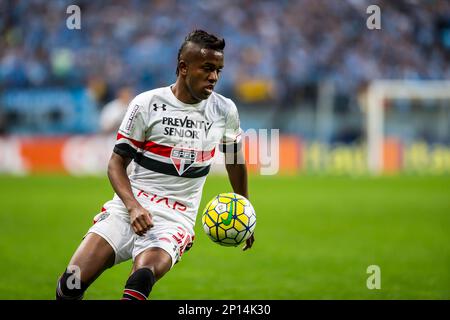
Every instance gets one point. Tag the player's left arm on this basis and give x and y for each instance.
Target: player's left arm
(237, 174)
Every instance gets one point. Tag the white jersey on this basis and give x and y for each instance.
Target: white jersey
(173, 145)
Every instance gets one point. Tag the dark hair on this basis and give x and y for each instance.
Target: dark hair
(204, 40)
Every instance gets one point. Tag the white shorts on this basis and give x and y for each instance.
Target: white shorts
(113, 224)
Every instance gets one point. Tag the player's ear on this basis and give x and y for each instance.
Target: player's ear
(182, 67)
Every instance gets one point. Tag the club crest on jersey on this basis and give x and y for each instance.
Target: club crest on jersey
(156, 107)
(182, 159)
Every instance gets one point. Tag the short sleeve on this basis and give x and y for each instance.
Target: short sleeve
(231, 140)
(131, 135)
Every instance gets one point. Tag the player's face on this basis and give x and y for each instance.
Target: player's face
(203, 73)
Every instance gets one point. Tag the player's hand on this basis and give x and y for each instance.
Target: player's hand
(249, 242)
(141, 220)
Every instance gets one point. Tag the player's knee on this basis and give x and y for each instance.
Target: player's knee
(158, 261)
(70, 287)
(154, 269)
(139, 285)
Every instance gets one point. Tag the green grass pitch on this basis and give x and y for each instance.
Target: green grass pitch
(315, 238)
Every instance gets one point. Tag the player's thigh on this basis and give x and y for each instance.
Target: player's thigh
(93, 256)
(156, 259)
(161, 247)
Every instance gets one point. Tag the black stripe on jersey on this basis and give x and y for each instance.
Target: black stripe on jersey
(169, 168)
(125, 150)
(230, 148)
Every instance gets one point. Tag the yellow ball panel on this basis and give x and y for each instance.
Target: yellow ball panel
(206, 219)
(225, 200)
(239, 208)
(213, 215)
(220, 234)
(239, 226)
(244, 219)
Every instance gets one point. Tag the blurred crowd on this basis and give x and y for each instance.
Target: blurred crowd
(272, 47)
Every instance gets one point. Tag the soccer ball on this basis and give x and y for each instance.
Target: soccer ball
(229, 219)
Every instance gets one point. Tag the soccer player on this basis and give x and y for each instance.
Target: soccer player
(171, 134)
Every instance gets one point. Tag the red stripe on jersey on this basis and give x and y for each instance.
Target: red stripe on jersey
(135, 294)
(158, 149)
(205, 155)
(137, 144)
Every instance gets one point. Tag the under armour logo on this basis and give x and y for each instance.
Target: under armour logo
(155, 107)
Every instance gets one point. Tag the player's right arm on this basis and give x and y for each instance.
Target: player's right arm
(140, 219)
(130, 139)
(234, 159)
